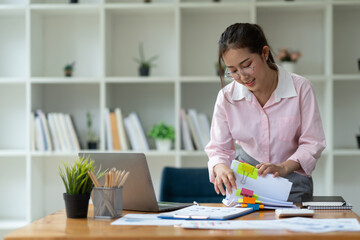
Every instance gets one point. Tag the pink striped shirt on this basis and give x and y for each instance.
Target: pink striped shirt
(287, 127)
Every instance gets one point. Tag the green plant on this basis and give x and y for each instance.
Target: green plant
(142, 60)
(162, 131)
(69, 67)
(76, 178)
(91, 135)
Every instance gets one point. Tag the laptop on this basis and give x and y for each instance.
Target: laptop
(138, 191)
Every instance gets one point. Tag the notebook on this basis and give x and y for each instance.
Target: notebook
(138, 192)
(325, 201)
(196, 212)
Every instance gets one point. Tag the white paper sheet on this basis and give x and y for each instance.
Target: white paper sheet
(146, 219)
(293, 224)
(269, 187)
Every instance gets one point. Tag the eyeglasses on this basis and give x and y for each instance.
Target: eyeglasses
(245, 71)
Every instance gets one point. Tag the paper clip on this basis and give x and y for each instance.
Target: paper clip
(247, 170)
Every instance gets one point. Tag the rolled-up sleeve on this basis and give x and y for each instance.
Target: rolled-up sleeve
(312, 139)
(221, 147)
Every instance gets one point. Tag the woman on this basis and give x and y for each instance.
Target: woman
(270, 113)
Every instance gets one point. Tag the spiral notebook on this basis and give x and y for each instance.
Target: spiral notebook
(326, 203)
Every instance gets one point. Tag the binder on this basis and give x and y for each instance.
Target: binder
(196, 212)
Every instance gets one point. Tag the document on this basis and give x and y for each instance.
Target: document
(297, 224)
(204, 212)
(146, 220)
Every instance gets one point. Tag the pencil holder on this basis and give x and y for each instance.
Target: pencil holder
(107, 202)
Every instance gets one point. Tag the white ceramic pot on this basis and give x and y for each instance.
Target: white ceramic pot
(163, 144)
(288, 66)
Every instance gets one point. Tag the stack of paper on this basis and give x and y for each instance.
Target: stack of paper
(258, 192)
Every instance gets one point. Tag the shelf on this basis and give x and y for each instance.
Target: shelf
(347, 77)
(212, 7)
(65, 2)
(141, 7)
(297, 5)
(12, 112)
(12, 10)
(13, 2)
(193, 154)
(12, 80)
(63, 80)
(13, 56)
(197, 79)
(12, 153)
(347, 152)
(6, 224)
(149, 29)
(64, 9)
(140, 79)
(345, 54)
(13, 183)
(70, 34)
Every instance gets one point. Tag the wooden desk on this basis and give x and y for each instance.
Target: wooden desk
(57, 226)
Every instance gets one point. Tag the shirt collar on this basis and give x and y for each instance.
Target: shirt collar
(284, 89)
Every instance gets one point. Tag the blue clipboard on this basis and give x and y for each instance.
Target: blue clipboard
(206, 213)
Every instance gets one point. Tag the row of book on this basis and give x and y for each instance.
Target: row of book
(123, 133)
(195, 129)
(54, 132)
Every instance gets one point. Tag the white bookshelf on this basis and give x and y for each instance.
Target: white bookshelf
(103, 36)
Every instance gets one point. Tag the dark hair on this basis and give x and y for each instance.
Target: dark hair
(243, 35)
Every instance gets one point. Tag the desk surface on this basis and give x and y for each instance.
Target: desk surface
(57, 226)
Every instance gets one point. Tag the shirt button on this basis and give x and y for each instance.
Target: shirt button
(265, 152)
(265, 135)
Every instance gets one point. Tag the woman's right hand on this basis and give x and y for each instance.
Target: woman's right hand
(224, 175)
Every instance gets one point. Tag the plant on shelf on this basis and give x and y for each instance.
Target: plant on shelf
(288, 58)
(92, 140)
(78, 185)
(68, 69)
(163, 135)
(144, 65)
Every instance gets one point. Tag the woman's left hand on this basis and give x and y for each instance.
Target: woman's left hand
(281, 170)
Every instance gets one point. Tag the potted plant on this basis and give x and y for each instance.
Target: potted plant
(68, 69)
(78, 186)
(288, 58)
(163, 135)
(92, 138)
(144, 65)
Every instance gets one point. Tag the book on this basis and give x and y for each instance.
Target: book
(32, 132)
(140, 134)
(185, 132)
(114, 132)
(53, 132)
(39, 135)
(121, 130)
(72, 133)
(196, 127)
(109, 143)
(193, 132)
(46, 133)
(131, 132)
(344, 207)
(64, 131)
(323, 201)
(59, 132)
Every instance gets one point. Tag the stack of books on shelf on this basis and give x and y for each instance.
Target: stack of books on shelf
(118, 128)
(56, 132)
(195, 130)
